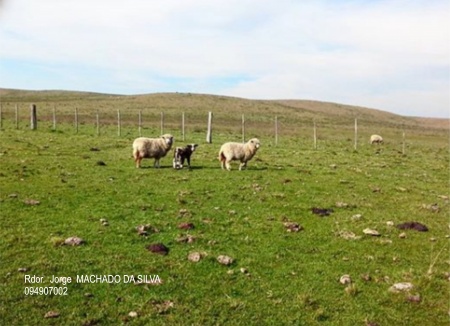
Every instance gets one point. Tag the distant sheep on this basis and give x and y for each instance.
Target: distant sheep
(376, 139)
(151, 148)
(181, 154)
(238, 152)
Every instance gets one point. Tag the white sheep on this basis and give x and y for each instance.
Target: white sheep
(151, 148)
(238, 152)
(376, 139)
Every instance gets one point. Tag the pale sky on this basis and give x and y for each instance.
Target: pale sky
(392, 55)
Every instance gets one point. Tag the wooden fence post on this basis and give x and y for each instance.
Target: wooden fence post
(243, 128)
(182, 126)
(76, 120)
(276, 130)
(17, 116)
(118, 124)
(209, 132)
(356, 133)
(403, 143)
(54, 118)
(33, 121)
(97, 120)
(315, 133)
(140, 123)
(162, 123)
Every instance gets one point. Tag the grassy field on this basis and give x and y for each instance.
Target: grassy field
(78, 180)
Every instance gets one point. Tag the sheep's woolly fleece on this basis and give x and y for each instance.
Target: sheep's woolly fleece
(233, 151)
(151, 148)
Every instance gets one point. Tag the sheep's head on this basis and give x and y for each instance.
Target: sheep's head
(192, 147)
(168, 138)
(254, 142)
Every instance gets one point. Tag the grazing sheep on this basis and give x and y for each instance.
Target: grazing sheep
(183, 153)
(238, 152)
(376, 139)
(151, 148)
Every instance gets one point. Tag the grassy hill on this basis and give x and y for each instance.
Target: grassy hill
(288, 261)
(293, 110)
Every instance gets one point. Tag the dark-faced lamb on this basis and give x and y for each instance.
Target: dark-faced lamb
(182, 154)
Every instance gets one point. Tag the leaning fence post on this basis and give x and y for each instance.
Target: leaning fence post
(33, 121)
(209, 132)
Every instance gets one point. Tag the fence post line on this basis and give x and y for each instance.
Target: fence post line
(33, 117)
(315, 133)
(54, 118)
(209, 132)
(162, 123)
(243, 128)
(182, 126)
(356, 134)
(118, 123)
(140, 123)
(17, 116)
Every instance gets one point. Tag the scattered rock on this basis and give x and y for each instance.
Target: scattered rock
(402, 235)
(133, 314)
(73, 241)
(225, 260)
(431, 207)
(22, 270)
(186, 226)
(345, 279)
(195, 257)
(348, 235)
(401, 287)
(13, 195)
(414, 298)
(412, 226)
(51, 314)
(390, 223)
(292, 227)
(186, 238)
(356, 217)
(158, 248)
(31, 202)
(104, 222)
(321, 211)
(366, 277)
(371, 232)
(145, 229)
(341, 204)
(244, 270)
(163, 307)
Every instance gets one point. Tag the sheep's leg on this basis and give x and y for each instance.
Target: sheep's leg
(228, 165)
(156, 164)
(138, 160)
(188, 159)
(242, 165)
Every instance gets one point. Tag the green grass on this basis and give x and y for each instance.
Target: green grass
(292, 279)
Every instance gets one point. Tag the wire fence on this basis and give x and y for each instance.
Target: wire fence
(184, 125)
